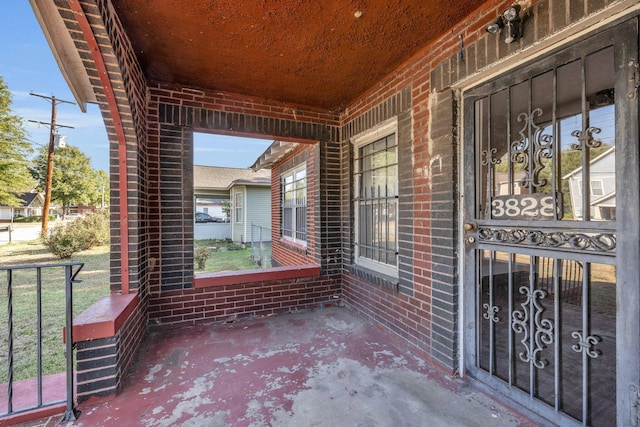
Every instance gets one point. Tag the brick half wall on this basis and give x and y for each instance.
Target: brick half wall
(227, 302)
(103, 362)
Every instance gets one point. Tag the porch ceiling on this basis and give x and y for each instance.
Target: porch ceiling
(318, 54)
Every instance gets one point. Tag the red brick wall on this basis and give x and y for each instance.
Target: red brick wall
(102, 363)
(131, 337)
(217, 303)
(287, 253)
(174, 114)
(232, 104)
(426, 314)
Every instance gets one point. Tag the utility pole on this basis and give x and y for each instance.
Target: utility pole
(53, 128)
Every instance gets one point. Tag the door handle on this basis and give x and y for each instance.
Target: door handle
(470, 226)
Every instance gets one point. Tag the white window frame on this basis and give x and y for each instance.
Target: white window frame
(294, 226)
(382, 130)
(593, 194)
(601, 187)
(238, 205)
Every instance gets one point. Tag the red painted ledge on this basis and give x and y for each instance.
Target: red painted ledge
(206, 280)
(32, 415)
(104, 318)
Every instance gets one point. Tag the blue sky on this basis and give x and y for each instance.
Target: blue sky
(27, 65)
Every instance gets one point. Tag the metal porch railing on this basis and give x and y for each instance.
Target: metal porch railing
(71, 270)
(570, 278)
(261, 245)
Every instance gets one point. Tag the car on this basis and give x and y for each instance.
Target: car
(204, 217)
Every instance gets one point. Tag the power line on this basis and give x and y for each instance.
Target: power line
(53, 128)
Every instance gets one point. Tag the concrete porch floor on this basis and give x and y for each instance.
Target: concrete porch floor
(314, 368)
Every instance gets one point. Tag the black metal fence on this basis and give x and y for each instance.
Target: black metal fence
(71, 271)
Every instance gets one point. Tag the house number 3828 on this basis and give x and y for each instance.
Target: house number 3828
(525, 206)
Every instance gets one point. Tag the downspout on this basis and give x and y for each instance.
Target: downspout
(94, 47)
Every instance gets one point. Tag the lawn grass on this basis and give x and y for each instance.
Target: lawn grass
(94, 285)
(225, 257)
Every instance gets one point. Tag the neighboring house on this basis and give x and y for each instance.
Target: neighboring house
(74, 209)
(250, 209)
(31, 205)
(213, 207)
(397, 108)
(602, 187)
(504, 185)
(81, 209)
(246, 190)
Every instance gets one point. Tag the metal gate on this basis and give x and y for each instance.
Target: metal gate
(550, 190)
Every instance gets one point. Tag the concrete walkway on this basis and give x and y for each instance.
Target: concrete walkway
(321, 368)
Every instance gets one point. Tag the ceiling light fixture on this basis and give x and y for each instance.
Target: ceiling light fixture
(511, 22)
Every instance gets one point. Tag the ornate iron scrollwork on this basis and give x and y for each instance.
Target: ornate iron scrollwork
(488, 159)
(586, 139)
(586, 345)
(531, 148)
(543, 328)
(599, 242)
(490, 313)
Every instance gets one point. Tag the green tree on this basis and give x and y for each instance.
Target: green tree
(74, 180)
(226, 209)
(102, 187)
(14, 149)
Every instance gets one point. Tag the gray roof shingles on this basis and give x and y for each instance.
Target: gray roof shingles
(214, 177)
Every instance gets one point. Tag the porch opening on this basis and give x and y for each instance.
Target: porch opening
(249, 195)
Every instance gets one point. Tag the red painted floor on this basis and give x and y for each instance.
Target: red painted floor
(320, 368)
(25, 392)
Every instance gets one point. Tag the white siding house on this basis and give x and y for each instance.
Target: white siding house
(602, 187)
(215, 186)
(31, 205)
(251, 208)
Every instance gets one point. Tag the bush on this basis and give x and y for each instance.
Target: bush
(94, 227)
(201, 255)
(63, 241)
(79, 235)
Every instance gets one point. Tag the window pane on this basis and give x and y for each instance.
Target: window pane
(294, 205)
(301, 223)
(287, 222)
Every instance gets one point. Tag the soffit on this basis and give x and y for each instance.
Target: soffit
(313, 53)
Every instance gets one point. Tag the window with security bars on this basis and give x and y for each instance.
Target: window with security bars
(294, 205)
(376, 204)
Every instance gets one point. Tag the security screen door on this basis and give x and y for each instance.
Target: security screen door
(551, 234)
